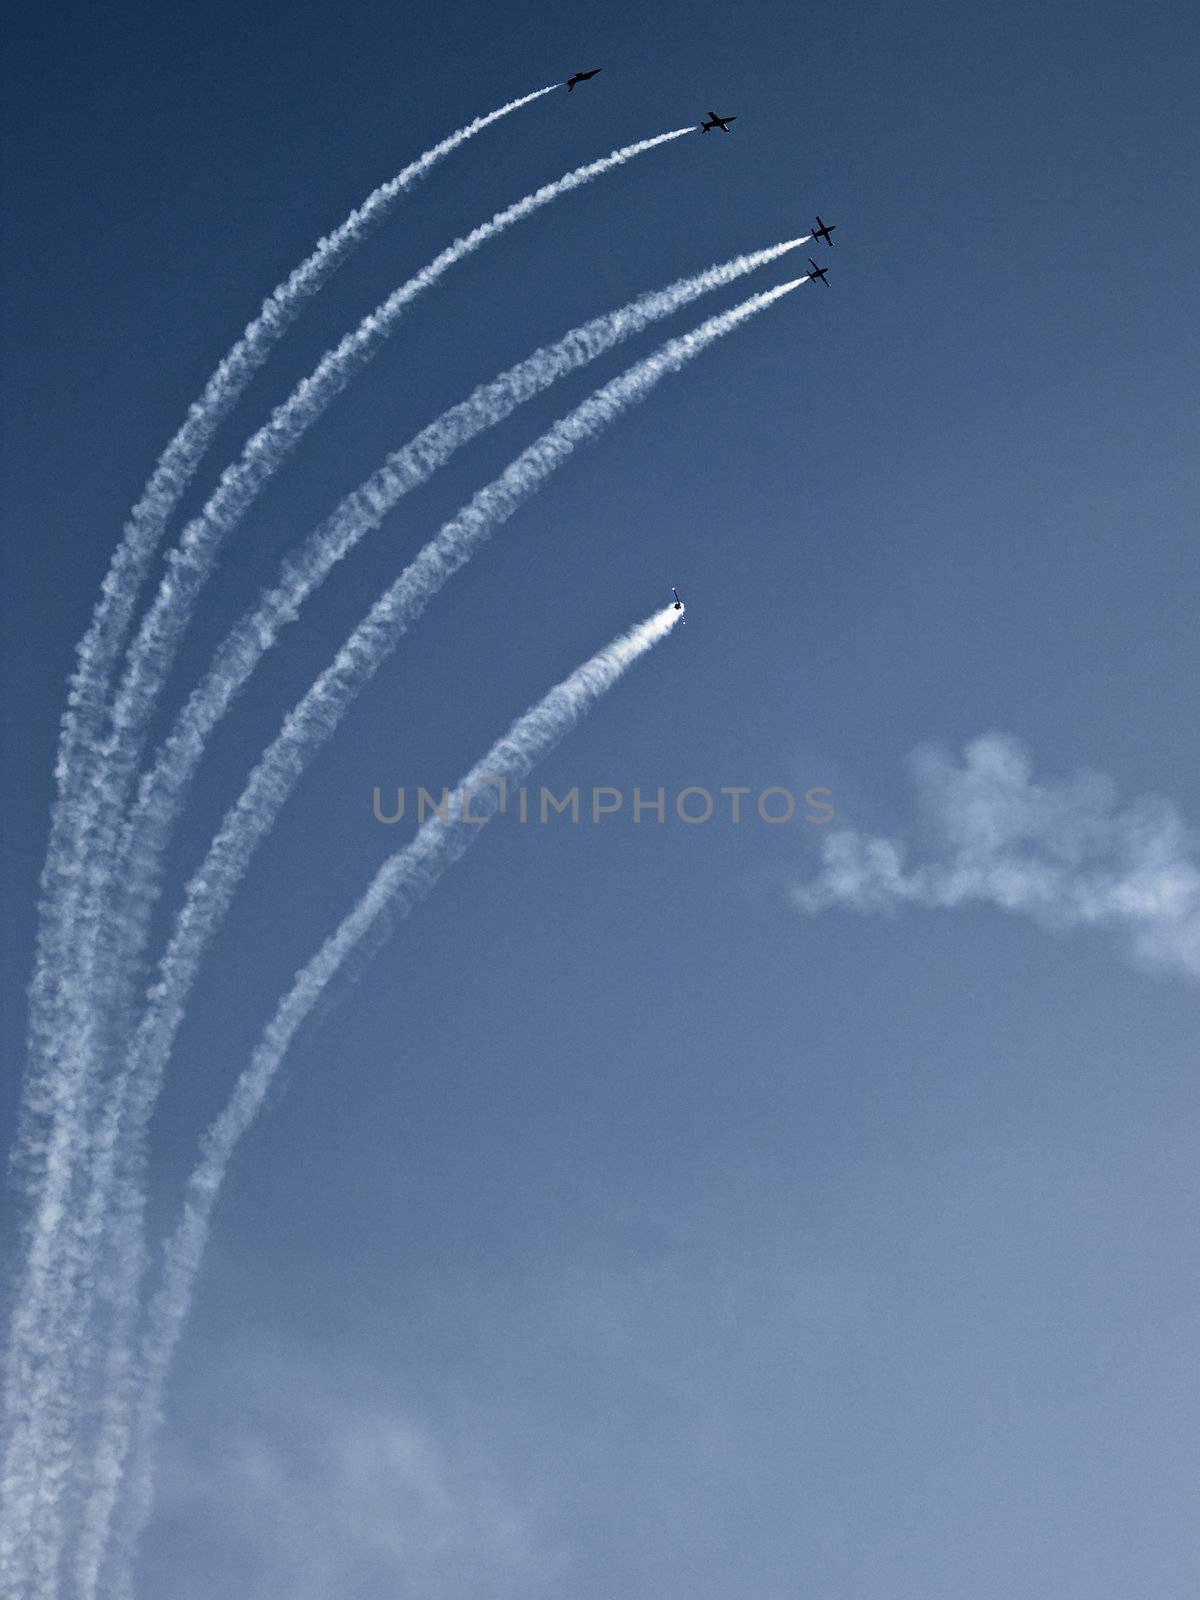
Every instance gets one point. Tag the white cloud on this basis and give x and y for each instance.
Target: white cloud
(316, 1494)
(593, 1419)
(1063, 853)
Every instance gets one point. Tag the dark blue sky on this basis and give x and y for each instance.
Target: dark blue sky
(723, 1250)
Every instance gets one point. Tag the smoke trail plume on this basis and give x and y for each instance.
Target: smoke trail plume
(308, 726)
(96, 812)
(190, 565)
(49, 1124)
(316, 716)
(402, 882)
(98, 650)
(163, 789)
(192, 562)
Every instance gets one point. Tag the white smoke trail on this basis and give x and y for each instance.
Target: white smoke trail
(305, 730)
(49, 1126)
(402, 882)
(193, 561)
(98, 650)
(163, 789)
(96, 818)
(316, 716)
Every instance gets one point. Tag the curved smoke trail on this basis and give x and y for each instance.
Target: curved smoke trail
(162, 790)
(96, 815)
(193, 561)
(111, 620)
(308, 726)
(49, 1127)
(405, 879)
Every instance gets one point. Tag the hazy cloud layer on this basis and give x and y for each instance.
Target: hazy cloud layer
(597, 1416)
(316, 1496)
(1065, 853)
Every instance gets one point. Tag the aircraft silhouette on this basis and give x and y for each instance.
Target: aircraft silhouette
(717, 122)
(822, 231)
(581, 77)
(818, 272)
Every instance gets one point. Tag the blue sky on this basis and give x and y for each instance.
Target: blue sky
(625, 1231)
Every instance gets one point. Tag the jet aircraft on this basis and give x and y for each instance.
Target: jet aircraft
(818, 272)
(714, 121)
(581, 77)
(823, 230)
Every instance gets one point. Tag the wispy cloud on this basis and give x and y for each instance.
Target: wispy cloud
(1065, 853)
(312, 1493)
(487, 1447)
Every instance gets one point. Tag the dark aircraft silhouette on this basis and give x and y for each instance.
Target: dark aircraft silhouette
(822, 231)
(581, 77)
(818, 272)
(714, 121)
(679, 605)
